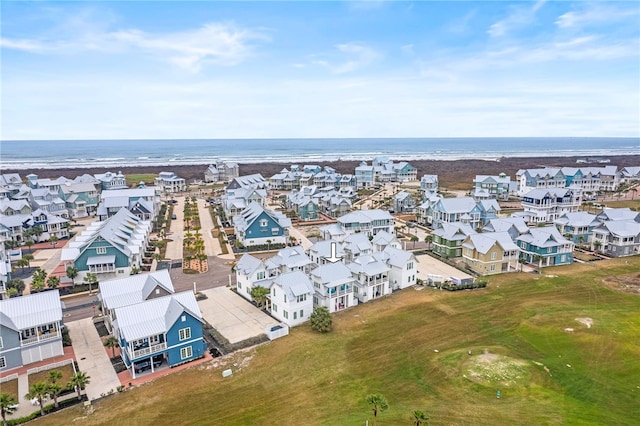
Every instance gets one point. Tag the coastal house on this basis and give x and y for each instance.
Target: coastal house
(132, 290)
(234, 201)
(490, 253)
(254, 181)
(384, 170)
(10, 184)
(291, 298)
(48, 201)
(144, 203)
(81, 199)
(577, 226)
(369, 222)
(462, 209)
(428, 186)
(403, 202)
(163, 329)
(492, 187)
(448, 238)
(5, 268)
(622, 213)
(290, 259)
(303, 204)
(383, 240)
(170, 183)
(617, 238)
(110, 180)
(257, 225)
(221, 171)
(30, 329)
(629, 174)
(109, 248)
(52, 185)
(250, 272)
(402, 267)
(356, 245)
(545, 246)
(546, 205)
(372, 275)
(334, 287)
(14, 207)
(587, 179)
(326, 251)
(513, 225)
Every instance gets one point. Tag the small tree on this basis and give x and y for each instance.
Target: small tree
(378, 404)
(259, 294)
(53, 240)
(53, 281)
(8, 405)
(79, 380)
(428, 239)
(28, 257)
(37, 232)
(420, 417)
(320, 319)
(39, 391)
(54, 387)
(72, 272)
(38, 279)
(90, 278)
(111, 342)
(414, 240)
(29, 243)
(22, 263)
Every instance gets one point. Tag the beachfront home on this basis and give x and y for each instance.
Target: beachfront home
(132, 290)
(545, 246)
(109, 248)
(546, 205)
(617, 238)
(30, 329)
(291, 298)
(492, 187)
(448, 238)
(428, 186)
(490, 253)
(143, 203)
(369, 222)
(255, 181)
(167, 328)
(257, 225)
(629, 174)
(334, 287)
(403, 202)
(384, 170)
(588, 179)
(170, 183)
(577, 226)
(221, 171)
(110, 180)
(10, 184)
(81, 199)
(372, 275)
(462, 209)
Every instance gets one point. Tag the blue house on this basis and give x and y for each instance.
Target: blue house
(578, 225)
(545, 247)
(30, 329)
(257, 225)
(165, 329)
(463, 209)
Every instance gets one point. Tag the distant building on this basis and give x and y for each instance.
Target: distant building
(384, 170)
(111, 180)
(221, 171)
(169, 182)
(492, 187)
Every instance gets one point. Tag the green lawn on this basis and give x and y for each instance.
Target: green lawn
(11, 387)
(134, 180)
(43, 376)
(413, 348)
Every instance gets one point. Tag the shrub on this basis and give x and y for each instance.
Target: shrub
(321, 320)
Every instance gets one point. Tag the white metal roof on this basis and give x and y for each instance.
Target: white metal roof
(33, 309)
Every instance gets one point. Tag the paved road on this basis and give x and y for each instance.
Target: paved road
(176, 231)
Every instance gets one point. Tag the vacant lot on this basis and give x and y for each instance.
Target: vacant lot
(11, 387)
(445, 353)
(43, 376)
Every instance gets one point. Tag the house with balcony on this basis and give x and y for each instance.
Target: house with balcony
(51, 225)
(291, 298)
(163, 329)
(513, 225)
(372, 275)
(14, 207)
(540, 178)
(613, 214)
(234, 201)
(577, 226)
(369, 222)
(170, 183)
(403, 267)
(462, 209)
(144, 203)
(333, 286)
(617, 238)
(587, 179)
(10, 184)
(428, 186)
(110, 180)
(356, 245)
(52, 185)
(221, 171)
(326, 251)
(254, 181)
(110, 248)
(383, 239)
(403, 202)
(629, 174)
(132, 290)
(290, 259)
(490, 253)
(448, 238)
(30, 329)
(81, 199)
(250, 272)
(384, 170)
(257, 225)
(545, 246)
(492, 187)
(547, 205)
(47, 201)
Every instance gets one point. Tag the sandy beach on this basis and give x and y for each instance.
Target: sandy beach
(454, 174)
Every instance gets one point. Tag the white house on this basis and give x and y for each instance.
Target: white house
(372, 276)
(334, 286)
(169, 182)
(291, 298)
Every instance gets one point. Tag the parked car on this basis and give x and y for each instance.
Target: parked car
(141, 366)
(174, 217)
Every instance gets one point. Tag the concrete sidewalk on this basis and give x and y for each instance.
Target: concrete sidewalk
(176, 231)
(92, 358)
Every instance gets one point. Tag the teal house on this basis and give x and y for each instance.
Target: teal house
(545, 247)
(257, 225)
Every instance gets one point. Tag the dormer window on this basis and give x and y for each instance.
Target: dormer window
(264, 223)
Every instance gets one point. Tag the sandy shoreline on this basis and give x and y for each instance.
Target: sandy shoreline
(453, 174)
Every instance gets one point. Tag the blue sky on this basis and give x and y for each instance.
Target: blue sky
(100, 70)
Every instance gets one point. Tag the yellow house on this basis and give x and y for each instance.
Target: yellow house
(490, 253)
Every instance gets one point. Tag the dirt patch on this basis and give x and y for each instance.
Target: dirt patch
(629, 283)
(491, 369)
(586, 321)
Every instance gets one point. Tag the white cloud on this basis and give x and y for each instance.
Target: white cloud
(597, 14)
(518, 17)
(349, 57)
(213, 43)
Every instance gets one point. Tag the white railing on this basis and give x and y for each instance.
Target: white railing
(148, 351)
(51, 366)
(40, 338)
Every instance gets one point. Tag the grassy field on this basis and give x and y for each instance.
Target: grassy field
(528, 337)
(11, 387)
(135, 179)
(43, 376)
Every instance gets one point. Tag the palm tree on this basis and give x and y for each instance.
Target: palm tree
(428, 239)
(79, 380)
(111, 342)
(259, 294)
(53, 240)
(90, 278)
(22, 263)
(39, 391)
(8, 405)
(414, 239)
(597, 245)
(53, 281)
(420, 417)
(28, 257)
(38, 279)
(54, 376)
(268, 245)
(54, 390)
(29, 242)
(378, 403)
(37, 231)
(72, 272)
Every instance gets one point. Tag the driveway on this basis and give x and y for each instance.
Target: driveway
(176, 231)
(429, 265)
(92, 358)
(232, 316)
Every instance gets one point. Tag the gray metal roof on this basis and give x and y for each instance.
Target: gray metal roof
(365, 216)
(397, 257)
(133, 289)
(101, 260)
(622, 228)
(32, 310)
(483, 242)
(294, 283)
(332, 274)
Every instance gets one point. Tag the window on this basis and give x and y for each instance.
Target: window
(185, 333)
(186, 352)
(239, 285)
(264, 223)
(275, 231)
(286, 314)
(301, 298)
(295, 315)
(301, 313)
(492, 268)
(274, 307)
(101, 250)
(494, 255)
(3, 362)
(409, 265)
(183, 318)
(261, 275)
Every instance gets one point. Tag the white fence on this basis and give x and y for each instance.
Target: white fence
(277, 331)
(9, 378)
(51, 366)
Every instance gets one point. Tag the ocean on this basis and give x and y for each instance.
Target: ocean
(33, 155)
